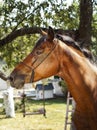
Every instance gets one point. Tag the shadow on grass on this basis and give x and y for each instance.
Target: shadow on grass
(32, 105)
(58, 100)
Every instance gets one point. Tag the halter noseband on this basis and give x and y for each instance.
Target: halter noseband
(33, 68)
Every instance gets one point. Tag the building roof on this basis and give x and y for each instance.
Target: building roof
(49, 86)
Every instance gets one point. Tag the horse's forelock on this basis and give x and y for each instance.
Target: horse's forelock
(40, 41)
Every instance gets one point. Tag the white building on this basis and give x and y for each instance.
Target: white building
(46, 92)
(57, 88)
(3, 84)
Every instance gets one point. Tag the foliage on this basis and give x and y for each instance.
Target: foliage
(14, 53)
(94, 31)
(63, 85)
(15, 14)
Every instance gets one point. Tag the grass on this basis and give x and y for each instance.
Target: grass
(55, 112)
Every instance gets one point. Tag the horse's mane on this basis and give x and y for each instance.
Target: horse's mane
(70, 42)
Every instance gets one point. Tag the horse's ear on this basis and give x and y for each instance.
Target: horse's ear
(50, 35)
(43, 33)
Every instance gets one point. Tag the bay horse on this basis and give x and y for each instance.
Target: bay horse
(60, 55)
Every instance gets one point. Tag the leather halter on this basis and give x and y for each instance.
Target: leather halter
(33, 68)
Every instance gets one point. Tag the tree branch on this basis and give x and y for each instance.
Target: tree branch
(20, 22)
(32, 30)
(20, 32)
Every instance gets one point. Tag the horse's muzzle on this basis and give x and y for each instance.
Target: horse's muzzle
(17, 81)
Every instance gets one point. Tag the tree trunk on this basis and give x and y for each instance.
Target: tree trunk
(85, 28)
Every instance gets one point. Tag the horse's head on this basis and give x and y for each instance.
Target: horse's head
(50, 56)
(41, 63)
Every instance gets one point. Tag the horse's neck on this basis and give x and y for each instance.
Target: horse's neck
(81, 78)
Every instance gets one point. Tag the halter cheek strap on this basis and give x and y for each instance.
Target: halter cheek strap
(32, 77)
(32, 74)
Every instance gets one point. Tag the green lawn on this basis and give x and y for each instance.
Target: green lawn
(56, 109)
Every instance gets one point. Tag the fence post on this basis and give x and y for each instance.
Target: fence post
(8, 101)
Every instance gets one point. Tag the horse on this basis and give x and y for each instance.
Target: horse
(59, 55)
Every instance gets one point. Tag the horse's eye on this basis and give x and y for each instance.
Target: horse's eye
(38, 52)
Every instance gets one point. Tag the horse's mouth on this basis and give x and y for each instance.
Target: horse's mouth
(17, 85)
